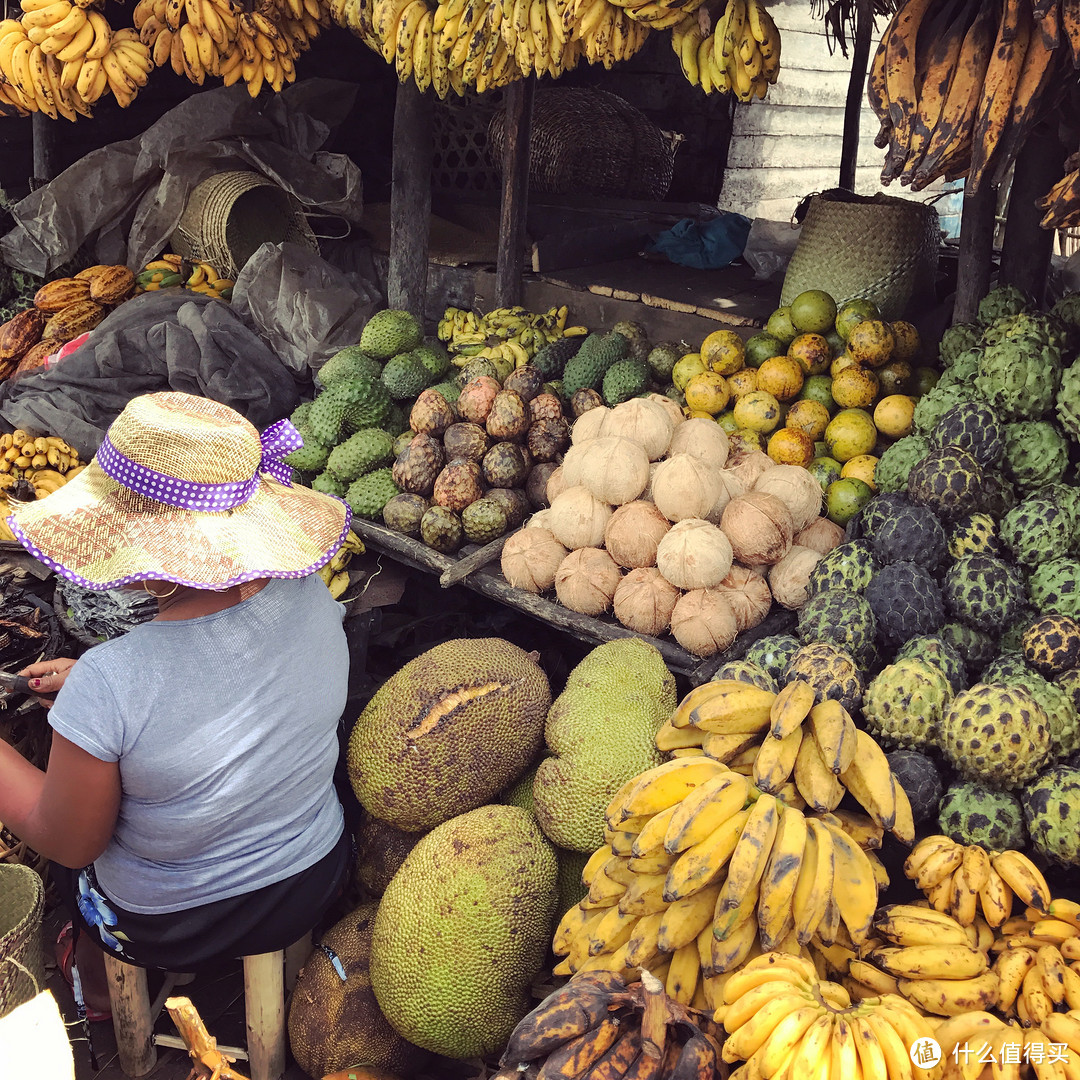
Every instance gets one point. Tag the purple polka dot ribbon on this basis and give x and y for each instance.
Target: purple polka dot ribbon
(277, 440)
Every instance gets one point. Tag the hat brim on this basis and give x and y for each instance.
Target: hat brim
(101, 535)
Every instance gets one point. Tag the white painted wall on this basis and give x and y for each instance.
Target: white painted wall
(788, 145)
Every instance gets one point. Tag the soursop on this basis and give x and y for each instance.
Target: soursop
(346, 363)
(388, 333)
(587, 368)
(368, 449)
(371, 492)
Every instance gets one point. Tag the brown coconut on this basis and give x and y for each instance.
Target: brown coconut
(586, 581)
(589, 425)
(694, 555)
(578, 518)
(796, 489)
(684, 486)
(750, 467)
(703, 623)
(748, 593)
(615, 470)
(702, 438)
(821, 535)
(556, 484)
(759, 527)
(633, 533)
(644, 601)
(672, 408)
(731, 487)
(644, 422)
(790, 577)
(530, 559)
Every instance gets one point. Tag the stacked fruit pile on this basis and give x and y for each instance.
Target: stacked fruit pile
(172, 270)
(508, 337)
(33, 467)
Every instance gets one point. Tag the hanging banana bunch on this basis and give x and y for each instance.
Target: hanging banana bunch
(739, 53)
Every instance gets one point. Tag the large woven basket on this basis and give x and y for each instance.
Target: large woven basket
(22, 967)
(231, 214)
(881, 248)
(591, 142)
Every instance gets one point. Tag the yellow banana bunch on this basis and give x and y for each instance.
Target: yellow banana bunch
(1062, 203)
(608, 32)
(976, 1040)
(46, 462)
(783, 1020)
(739, 54)
(509, 337)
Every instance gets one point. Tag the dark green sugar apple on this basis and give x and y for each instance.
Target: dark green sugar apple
(945, 657)
(908, 532)
(841, 618)
(1052, 645)
(996, 735)
(1036, 454)
(1067, 309)
(893, 467)
(773, 653)
(975, 534)
(1001, 302)
(906, 602)
(973, 426)
(919, 777)
(832, 673)
(949, 481)
(848, 566)
(932, 406)
(983, 592)
(958, 338)
(997, 496)
(904, 703)
(1029, 326)
(1037, 531)
(1007, 668)
(1019, 378)
(976, 647)
(974, 814)
(746, 671)
(1054, 588)
(1052, 814)
(1011, 637)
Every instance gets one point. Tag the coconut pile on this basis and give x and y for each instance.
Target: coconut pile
(655, 518)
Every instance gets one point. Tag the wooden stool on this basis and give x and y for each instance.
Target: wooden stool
(267, 976)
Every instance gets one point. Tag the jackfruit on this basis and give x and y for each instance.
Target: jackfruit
(602, 731)
(380, 851)
(463, 929)
(448, 732)
(569, 887)
(520, 793)
(334, 1021)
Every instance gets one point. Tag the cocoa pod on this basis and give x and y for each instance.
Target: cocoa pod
(74, 320)
(20, 334)
(113, 285)
(92, 272)
(36, 356)
(56, 295)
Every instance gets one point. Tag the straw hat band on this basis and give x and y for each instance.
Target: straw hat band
(277, 440)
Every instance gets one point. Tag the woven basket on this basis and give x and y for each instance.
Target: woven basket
(591, 142)
(882, 248)
(22, 967)
(231, 214)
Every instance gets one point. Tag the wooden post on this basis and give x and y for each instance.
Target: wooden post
(515, 192)
(295, 957)
(43, 132)
(264, 1006)
(856, 93)
(132, 1022)
(1026, 249)
(410, 200)
(977, 224)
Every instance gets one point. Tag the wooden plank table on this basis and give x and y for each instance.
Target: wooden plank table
(477, 569)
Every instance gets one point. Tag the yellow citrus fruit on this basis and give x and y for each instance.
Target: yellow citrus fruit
(812, 352)
(707, 393)
(908, 342)
(686, 368)
(789, 446)
(871, 342)
(809, 417)
(893, 415)
(861, 467)
(851, 432)
(780, 376)
(844, 360)
(724, 352)
(742, 382)
(758, 411)
(855, 388)
(698, 414)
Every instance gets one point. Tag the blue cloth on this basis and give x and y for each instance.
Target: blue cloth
(225, 728)
(704, 245)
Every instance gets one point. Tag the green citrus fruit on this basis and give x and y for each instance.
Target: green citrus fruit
(813, 312)
(852, 313)
(761, 346)
(825, 470)
(781, 327)
(818, 388)
(845, 498)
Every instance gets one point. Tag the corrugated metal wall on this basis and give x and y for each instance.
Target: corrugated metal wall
(788, 145)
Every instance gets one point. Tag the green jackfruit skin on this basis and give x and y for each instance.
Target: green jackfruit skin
(520, 793)
(602, 731)
(570, 888)
(380, 851)
(448, 732)
(390, 332)
(337, 1024)
(462, 931)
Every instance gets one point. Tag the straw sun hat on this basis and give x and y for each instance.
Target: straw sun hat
(184, 489)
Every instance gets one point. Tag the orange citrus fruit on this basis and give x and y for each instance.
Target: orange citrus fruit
(893, 415)
(707, 393)
(758, 411)
(813, 353)
(781, 376)
(844, 360)
(871, 342)
(724, 352)
(855, 388)
(908, 342)
(789, 446)
(809, 417)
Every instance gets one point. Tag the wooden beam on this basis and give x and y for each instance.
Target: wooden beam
(977, 224)
(1026, 249)
(515, 192)
(856, 93)
(133, 1025)
(44, 133)
(410, 200)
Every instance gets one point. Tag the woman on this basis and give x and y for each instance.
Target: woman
(189, 786)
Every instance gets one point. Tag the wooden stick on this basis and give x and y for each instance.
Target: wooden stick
(515, 192)
(202, 1047)
(464, 567)
(132, 1022)
(264, 1006)
(856, 94)
(977, 224)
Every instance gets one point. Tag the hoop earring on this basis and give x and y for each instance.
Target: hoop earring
(160, 596)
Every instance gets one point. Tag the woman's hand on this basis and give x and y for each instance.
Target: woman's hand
(47, 676)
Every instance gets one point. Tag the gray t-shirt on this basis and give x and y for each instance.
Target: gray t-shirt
(225, 728)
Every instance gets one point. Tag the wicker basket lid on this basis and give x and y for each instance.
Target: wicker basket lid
(22, 970)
